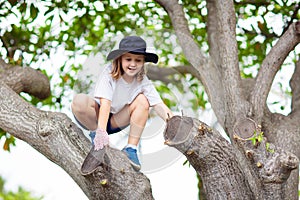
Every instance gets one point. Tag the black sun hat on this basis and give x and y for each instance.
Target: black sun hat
(133, 44)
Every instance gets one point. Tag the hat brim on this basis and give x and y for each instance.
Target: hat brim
(149, 57)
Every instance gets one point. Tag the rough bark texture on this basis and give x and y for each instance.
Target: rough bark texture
(270, 165)
(61, 141)
(252, 166)
(212, 157)
(215, 159)
(25, 80)
(234, 100)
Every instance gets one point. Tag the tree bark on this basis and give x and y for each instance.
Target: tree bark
(215, 160)
(269, 67)
(220, 75)
(251, 167)
(25, 79)
(212, 157)
(55, 136)
(271, 166)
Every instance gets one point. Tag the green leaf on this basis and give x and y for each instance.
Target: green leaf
(2, 133)
(260, 137)
(185, 162)
(253, 139)
(33, 12)
(10, 141)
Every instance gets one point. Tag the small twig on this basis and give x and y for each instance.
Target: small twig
(168, 116)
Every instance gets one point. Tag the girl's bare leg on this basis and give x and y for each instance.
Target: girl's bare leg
(85, 109)
(136, 114)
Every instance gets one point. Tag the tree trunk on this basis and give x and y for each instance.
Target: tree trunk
(215, 160)
(252, 166)
(211, 156)
(55, 136)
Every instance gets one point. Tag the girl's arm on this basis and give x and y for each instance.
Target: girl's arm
(103, 113)
(163, 111)
(101, 138)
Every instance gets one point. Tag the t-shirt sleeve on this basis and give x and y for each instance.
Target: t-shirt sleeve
(104, 86)
(150, 92)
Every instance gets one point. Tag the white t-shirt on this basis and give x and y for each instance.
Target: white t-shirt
(121, 93)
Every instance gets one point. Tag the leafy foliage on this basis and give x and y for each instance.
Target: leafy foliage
(21, 194)
(56, 37)
(9, 140)
(259, 25)
(33, 33)
(257, 138)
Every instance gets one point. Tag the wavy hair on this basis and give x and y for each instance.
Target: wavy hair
(117, 70)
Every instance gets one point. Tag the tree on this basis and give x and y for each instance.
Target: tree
(20, 194)
(261, 159)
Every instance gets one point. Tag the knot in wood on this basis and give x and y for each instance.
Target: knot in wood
(201, 129)
(249, 154)
(45, 127)
(259, 165)
(190, 152)
(289, 160)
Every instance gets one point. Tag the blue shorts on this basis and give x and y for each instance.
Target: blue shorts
(109, 128)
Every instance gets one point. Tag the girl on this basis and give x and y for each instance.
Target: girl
(122, 97)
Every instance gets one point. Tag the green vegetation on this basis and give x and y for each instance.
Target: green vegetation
(33, 33)
(20, 194)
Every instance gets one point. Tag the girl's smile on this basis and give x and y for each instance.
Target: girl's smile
(132, 65)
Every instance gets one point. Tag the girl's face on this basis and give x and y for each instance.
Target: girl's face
(132, 64)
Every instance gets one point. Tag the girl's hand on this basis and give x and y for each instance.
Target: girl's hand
(101, 139)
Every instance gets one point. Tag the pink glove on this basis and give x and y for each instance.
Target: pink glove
(101, 139)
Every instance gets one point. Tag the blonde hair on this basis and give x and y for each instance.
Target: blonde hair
(117, 70)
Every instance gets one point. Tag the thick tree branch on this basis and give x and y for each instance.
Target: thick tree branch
(215, 161)
(254, 2)
(3, 65)
(212, 157)
(294, 83)
(223, 50)
(283, 132)
(25, 79)
(270, 67)
(292, 18)
(208, 74)
(270, 166)
(185, 38)
(201, 65)
(166, 74)
(61, 141)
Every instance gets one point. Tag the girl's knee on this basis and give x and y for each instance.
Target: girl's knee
(142, 102)
(79, 102)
